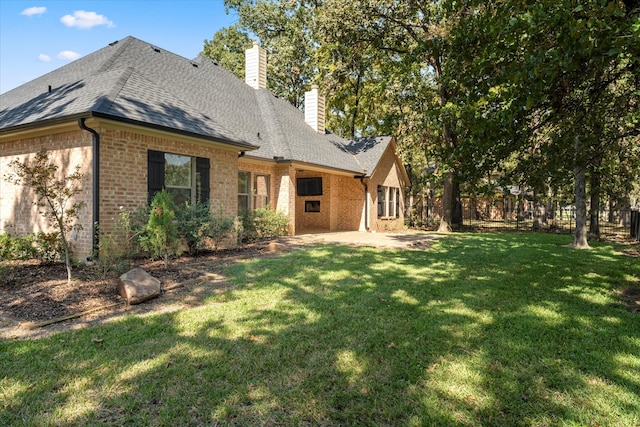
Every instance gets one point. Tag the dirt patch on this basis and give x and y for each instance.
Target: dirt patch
(33, 294)
(631, 298)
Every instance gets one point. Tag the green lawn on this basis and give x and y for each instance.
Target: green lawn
(480, 330)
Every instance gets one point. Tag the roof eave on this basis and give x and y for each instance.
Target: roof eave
(239, 145)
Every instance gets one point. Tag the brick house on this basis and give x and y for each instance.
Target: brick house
(138, 119)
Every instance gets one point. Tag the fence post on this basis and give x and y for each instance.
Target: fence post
(635, 225)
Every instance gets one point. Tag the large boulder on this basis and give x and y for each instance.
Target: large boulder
(137, 286)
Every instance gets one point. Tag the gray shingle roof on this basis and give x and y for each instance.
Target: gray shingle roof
(135, 81)
(369, 150)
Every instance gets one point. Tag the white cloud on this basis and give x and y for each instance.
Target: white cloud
(35, 10)
(84, 20)
(69, 55)
(44, 58)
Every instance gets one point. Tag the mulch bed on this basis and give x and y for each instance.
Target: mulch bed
(35, 292)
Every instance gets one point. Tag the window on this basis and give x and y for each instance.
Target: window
(254, 194)
(244, 189)
(185, 178)
(178, 179)
(312, 206)
(388, 202)
(309, 186)
(261, 191)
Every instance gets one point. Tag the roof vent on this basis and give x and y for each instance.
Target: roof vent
(49, 88)
(113, 43)
(155, 49)
(195, 64)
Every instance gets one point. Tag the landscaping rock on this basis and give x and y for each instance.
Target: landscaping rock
(277, 248)
(137, 286)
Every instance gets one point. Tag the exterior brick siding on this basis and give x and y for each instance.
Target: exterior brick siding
(387, 174)
(123, 176)
(67, 148)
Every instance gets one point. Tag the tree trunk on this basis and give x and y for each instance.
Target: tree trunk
(456, 206)
(447, 204)
(580, 235)
(449, 190)
(594, 212)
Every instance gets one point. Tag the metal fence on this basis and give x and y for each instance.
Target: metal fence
(635, 225)
(624, 222)
(562, 220)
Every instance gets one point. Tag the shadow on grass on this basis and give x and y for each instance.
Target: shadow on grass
(480, 330)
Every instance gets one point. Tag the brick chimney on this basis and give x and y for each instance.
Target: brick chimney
(314, 109)
(255, 72)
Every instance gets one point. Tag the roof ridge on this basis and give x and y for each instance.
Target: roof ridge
(121, 46)
(105, 102)
(265, 103)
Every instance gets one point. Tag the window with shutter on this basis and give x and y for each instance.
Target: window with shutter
(186, 178)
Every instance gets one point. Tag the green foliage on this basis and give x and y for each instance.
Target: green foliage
(227, 48)
(16, 247)
(193, 222)
(285, 30)
(55, 195)
(554, 87)
(202, 229)
(220, 228)
(48, 247)
(117, 248)
(160, 237)
(263, 223)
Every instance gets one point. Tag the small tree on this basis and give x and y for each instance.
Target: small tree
(55, 195)
(161, 234)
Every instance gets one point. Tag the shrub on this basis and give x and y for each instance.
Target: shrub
(160, 237)
(118, 247)
(193, 223)
(200, 228)
(49, 247)
(220, 228)
(263, 223)
(16, 247)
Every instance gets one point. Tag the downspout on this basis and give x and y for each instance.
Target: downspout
(95, 221)
(366, 201)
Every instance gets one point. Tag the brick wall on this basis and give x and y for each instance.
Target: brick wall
(123, 179)
(348, 202)
(123, 175)
(68, 148)
(387, 174)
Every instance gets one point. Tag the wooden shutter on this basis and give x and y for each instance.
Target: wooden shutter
(155, 166)
(203, 167)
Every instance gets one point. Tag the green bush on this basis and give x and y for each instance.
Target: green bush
(160, 237)
(49, 247)
(220, 228)
(200, 228)
(193, 223)
(16, 247)
(263, 223)
(46, 247)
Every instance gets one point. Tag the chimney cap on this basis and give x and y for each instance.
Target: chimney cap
(314, 87)
(256, 43)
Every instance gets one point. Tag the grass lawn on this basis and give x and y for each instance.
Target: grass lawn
(480, 330)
